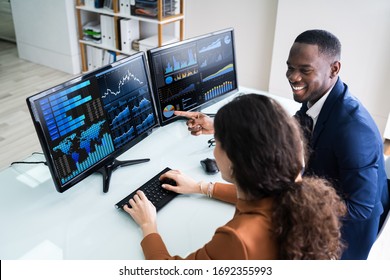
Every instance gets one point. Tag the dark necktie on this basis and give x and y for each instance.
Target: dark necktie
(306, 123)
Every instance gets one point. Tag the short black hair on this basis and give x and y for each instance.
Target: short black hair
(327, 43)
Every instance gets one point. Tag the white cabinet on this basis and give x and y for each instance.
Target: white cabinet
(46, 33)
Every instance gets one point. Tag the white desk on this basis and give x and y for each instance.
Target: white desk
(37, 222)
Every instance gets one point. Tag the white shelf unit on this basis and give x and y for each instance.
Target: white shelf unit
(160, 22)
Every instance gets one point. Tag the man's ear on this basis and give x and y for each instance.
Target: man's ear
(335, 69)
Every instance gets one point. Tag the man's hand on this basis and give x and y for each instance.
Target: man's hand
(197, 123)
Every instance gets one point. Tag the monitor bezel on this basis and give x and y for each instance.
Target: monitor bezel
(109, 159)
(206, 104)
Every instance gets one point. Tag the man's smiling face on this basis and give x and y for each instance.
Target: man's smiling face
(310, 73)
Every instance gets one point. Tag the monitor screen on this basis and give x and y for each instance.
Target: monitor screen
(193, 74)
(85, 123)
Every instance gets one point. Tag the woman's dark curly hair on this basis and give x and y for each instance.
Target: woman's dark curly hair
(266, 149)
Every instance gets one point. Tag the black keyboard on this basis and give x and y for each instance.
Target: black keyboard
(153, 191)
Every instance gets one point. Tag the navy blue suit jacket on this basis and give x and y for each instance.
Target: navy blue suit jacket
(346, 148)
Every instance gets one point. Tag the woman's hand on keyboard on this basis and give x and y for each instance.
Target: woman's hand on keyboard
(143, 212)
(184, 183)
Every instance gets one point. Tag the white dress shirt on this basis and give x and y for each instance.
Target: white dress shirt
(315, 109)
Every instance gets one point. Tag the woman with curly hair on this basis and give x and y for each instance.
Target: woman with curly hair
(279, 215)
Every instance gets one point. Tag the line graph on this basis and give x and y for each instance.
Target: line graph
(121, 81)
(146, 123)
(143, 105)
(125, 137)
(127, 79)
(228, 68)
(214, 45)
(122, 117)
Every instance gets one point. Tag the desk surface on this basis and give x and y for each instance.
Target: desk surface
(82, 223)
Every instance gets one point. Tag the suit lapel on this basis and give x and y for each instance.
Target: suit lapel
(338, 90)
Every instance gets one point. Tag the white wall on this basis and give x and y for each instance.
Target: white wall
(363, 27)
(264, 31)
(46, 33)
(254, 25)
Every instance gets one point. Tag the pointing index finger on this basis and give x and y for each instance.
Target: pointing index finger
(189, 115)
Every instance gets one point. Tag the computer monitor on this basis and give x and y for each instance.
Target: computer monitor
(85, 123)
(193, 74)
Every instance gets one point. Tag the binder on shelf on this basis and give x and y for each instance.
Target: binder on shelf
(107, 4)
(124, 7)
(108, 31)
(97, 59)
(94, 57)
(89, 51)
(129, 32)
(109, 57)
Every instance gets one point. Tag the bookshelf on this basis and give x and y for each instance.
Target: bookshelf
(85, 11)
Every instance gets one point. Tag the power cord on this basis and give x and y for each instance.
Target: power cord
(30, 162)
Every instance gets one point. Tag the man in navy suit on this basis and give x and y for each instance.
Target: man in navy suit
(344, 142)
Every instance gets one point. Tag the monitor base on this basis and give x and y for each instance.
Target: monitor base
(107, 170)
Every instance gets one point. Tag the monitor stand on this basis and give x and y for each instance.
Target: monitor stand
(107, 170)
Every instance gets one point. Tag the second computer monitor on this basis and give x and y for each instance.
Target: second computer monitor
(193, 74)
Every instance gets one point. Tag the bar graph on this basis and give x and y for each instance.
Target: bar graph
(58, 110)
(100, 151)
(218, 90)
(179, 60)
